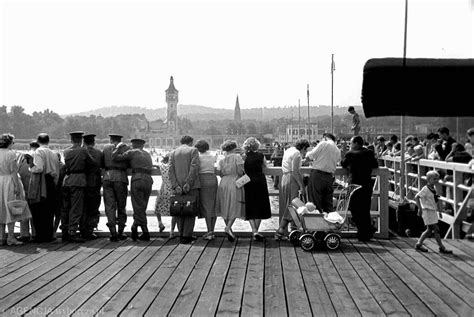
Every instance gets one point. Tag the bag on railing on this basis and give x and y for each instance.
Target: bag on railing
(183, 206)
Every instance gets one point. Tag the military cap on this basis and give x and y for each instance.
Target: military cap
(137, 140)
(114, 135)
(89, 137)
(76, 133)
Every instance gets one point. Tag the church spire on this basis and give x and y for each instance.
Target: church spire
(237, 117)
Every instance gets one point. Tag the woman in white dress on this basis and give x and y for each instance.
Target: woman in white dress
(10, 189)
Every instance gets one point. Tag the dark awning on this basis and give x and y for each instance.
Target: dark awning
(422, 88)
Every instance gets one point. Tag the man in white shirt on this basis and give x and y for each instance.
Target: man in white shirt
(45, 162)
(325, 157)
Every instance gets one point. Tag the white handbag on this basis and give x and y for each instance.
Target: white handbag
(241, 181)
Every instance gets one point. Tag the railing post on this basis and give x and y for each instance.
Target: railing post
(383, 203)
(457, 196)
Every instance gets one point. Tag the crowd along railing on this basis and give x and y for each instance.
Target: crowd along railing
(380, 202)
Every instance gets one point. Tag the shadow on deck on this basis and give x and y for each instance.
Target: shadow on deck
(245, 278)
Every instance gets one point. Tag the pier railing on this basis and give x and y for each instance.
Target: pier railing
(380, 200)
(455, 188)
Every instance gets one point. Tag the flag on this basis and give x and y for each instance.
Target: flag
(333, 65)
(307, 90)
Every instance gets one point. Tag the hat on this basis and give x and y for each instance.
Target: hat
(76, 133)
(113, 135)
(380, 138)
(137, 140)
(90, 137)
(470, 131)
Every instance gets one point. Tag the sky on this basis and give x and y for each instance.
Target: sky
(73, 56)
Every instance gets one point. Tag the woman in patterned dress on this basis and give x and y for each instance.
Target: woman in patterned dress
(162, 203)
(230, 201)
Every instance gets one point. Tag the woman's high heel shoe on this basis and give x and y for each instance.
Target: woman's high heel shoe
(161, 227)
(229, 235)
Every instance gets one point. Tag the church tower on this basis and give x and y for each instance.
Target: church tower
(172, 109)
(237, 117)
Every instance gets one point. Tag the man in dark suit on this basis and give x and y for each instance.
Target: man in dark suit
(184, 177)
(360, 161)
(91, 215)
(141, 163)
(115, 184)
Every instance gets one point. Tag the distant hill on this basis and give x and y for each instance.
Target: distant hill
(197, 113)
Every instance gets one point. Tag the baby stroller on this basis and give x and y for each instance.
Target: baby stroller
(313, 228)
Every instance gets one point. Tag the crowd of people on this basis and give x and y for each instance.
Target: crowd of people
(64, 191)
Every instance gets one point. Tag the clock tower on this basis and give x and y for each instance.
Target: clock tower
(172, 109)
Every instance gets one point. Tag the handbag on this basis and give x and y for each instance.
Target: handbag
(241, 181)
(183, 206)
(16, 207)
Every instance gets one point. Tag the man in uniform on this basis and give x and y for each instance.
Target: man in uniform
(115, 184)
(77, 160)
(91, 215)
(141, 163)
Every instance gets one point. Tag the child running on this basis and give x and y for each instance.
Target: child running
(428, 205)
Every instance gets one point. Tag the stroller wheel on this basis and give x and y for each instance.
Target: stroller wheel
(295, 237)
(333, 241)
(307, 242)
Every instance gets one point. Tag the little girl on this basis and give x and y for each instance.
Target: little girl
(428, 205)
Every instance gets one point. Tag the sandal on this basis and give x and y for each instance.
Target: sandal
(445, 251)
(279, 236)
(229, 235)
(258, 237)
(421, 248)
(161, 227)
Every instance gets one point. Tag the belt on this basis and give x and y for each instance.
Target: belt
(75, 172)
(322, 172)
(113, 168)
(141, 170)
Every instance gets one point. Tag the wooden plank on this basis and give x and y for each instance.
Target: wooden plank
(361, 296)
(166, 297)
(459, 259)
(444, 262)
(252, 304)
(410, 301)
(10, 255)
(102, 277)
(458, 296)
(38, 289)
(71, 288)
(27, 261)
(189, 295)
(374, 284)
(211, 293)
(422, 290)
(231, 298)
(25, 275)
(143, 298)
(296, 294)
(121, 299)
(275, 297)
(121, 281)
(465, 246)
(340, 297)
(318, 296)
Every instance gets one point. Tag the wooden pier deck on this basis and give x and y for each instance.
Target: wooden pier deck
(246, 278)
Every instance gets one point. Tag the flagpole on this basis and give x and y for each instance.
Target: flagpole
(309, 119)
(332, 94)
(402, 119)
(299, 119)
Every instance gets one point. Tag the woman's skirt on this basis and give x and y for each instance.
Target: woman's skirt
(288, 191)
(7, 193)
(207, 195)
